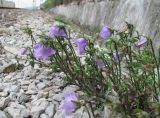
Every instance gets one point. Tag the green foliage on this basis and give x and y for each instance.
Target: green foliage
(62, 19)
(52, 3)
(134, 80)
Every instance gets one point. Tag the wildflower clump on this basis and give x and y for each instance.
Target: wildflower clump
(123, 73)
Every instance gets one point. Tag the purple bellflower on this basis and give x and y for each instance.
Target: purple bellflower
(42, 52)
(68, 103)
(23, 51)
(81, 44)
(56, 31)
(105, 32)
(117, 56)
(100, 63)
(141, 42)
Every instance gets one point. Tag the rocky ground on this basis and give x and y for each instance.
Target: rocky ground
(29, 92)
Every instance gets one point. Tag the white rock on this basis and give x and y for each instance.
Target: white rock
(12, 49)
(42, 94)
(14, 88)
(4, 102)
(36, 111)
(80, 113)
(3, 94)
(22, 111)
(25, 82)
(16, 105)
(32, 86)
(50, 110)
(58, 97)
(3, 114)
(22, 98)
(41, 85)
(14, 112)
(9, 76)
(31, 92)
(44, 116)
(59, 114)
(25, 113)
(70, 88)
(13, 96)
(39, 107)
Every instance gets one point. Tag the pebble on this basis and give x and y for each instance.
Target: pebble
(4, 102)
(43, 116)
(50, 110)
(15, 113)
(14, 88)
(41, 85)
(3, 114)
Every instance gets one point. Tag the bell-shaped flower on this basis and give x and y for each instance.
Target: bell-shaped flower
(117, 56)
(42, 52)
(23, 51)
(81, 44)
(57, 31)
(68, 104)
(105, 32)
(100, 63)
(141, 43)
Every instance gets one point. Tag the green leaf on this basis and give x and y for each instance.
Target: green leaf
(32, 63)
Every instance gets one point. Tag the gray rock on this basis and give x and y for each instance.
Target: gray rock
(32, 86)
(59, 114)
(58, 97)
(1, 87)
(70, 88)
(16, 105)
(31, 92)
(25, 88)
(13, 96)
(50, 110)
(13, 112)
(29, 72)
(9, 76)
(21, 110)
(25, 113)
(3, 94)
(39, 107)
(4, 102)
(41, 85)
(23, 98)
(14, 88)
(36, 111)
(51, 93)
(2, 114)
(25, 82)
(44, 116)
(42, 94)
(81, 113)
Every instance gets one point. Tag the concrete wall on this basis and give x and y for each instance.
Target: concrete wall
(144, 14)
(9, 4)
